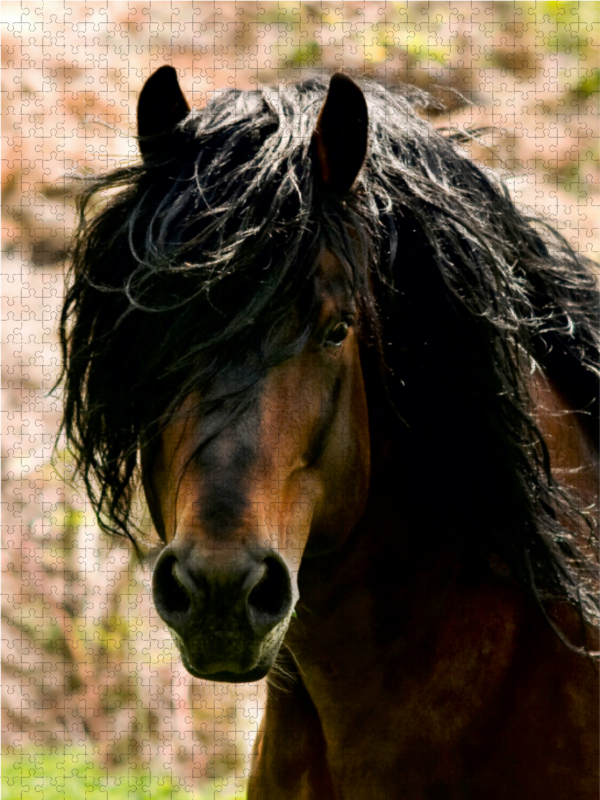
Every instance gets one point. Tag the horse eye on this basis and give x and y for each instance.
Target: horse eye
(336, 336)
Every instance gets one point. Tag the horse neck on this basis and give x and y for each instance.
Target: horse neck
(397, 631)
(395, 578)
(400, 580)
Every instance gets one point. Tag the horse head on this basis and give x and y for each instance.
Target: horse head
(240, 497)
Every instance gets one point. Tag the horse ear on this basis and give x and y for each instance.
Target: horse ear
(340, 138)
(161, 106)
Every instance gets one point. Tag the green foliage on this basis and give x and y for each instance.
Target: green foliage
(305, 55)
(589, 83)
(74, 774)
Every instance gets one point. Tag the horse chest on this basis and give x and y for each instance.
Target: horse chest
(416, 718)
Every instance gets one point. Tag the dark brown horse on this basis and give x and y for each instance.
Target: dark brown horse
(360, 390)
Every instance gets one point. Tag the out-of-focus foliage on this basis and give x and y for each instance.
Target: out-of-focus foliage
(86, 659)
(72, 73)
(87, 663)
(75, 773)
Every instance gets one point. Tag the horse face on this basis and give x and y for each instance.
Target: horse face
(287, 479)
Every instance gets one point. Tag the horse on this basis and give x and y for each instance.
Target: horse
(358, 389)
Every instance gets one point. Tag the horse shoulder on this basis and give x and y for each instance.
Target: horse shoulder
(545, 712)
(505, 708)
(549, 721)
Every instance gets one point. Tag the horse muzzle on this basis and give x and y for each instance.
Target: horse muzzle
(228, 616)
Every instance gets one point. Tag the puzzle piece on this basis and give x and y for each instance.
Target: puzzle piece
(93, 687)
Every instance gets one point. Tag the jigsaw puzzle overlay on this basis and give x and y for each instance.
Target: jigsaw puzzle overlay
(94, 697)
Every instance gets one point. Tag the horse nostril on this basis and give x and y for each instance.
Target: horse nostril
(272, 595)
(187, 593)
(170, 595)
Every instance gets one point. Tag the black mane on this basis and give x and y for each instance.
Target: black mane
(191, 270)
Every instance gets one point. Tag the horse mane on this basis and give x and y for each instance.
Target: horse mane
(190, 270)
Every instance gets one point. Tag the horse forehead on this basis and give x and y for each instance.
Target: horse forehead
(331, 269)
(179, 433)
(333, 285)
(335, 294)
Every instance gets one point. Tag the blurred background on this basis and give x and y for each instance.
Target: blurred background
(94, 697)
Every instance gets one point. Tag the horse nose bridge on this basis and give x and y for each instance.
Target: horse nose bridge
(214, 497)
(230, 499)
(284, 422)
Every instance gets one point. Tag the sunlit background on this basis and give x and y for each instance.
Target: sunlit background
(95, 700)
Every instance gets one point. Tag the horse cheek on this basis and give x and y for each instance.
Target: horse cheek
(346, 464)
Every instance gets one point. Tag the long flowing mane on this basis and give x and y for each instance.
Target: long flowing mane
(195, 265)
